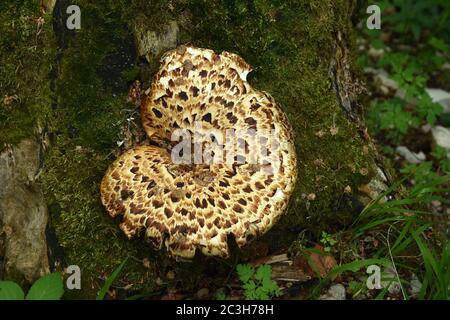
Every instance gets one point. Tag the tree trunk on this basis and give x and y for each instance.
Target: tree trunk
(302, 53)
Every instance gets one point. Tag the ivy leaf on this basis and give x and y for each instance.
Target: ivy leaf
(10, 290)
(49, 287)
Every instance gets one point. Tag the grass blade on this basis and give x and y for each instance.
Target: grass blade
(109, 281)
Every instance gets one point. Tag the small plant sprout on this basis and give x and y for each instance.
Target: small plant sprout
(258, 283)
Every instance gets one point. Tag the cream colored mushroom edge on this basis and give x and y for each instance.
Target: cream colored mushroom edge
(190, 204)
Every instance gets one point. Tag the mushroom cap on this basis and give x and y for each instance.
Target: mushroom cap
(186, 206)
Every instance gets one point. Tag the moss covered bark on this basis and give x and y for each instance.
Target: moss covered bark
(27, 51)
(290, 44)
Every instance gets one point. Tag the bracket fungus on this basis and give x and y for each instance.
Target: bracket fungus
(187, 200)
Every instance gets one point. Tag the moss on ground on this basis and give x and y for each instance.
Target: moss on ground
(289, 44)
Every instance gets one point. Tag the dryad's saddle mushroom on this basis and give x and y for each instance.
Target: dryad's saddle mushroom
(197, 202)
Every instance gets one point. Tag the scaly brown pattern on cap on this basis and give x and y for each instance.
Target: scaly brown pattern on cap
(186, 207)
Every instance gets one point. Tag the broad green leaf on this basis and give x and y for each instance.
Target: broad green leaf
(49, 287)
(10, 290)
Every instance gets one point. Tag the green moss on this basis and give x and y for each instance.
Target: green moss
(89, 115)
(88, 236)
(27, 53)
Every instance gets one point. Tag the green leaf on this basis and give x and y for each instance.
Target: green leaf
(49, 287)
(356, 265)
(263, 272)
(109, 281)
(10, 290)
(261, 294)
(245, 272)
(271, 287)
(439, 44)
(378, 44)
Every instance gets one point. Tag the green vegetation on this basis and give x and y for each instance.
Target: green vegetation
(395, 235)
(49, 287)
(258, 283)
(109, 281)
(91, 110)
(401, 229)
(414, 60)
(394, 117)
(222, 296)
(327, 241)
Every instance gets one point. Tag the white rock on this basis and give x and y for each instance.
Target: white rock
(375, 53)
(440, 96)
(426, 128)
(415, 286)
(441, 136)
(336, 292)
(389, 280)
(384, 80)
(410, 157)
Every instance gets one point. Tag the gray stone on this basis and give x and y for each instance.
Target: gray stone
(441, 136)
(389, 280)
(336, 292)
(23, 214)
(415, 286)
(409, 156)
(203, 293)
(440, 96)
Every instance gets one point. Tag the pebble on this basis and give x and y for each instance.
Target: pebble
(415, 286)
(409, 156)
(390, 281)
(336, 292)
(375, 53)
(440, 96)
(203, 293)
(441, 136)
